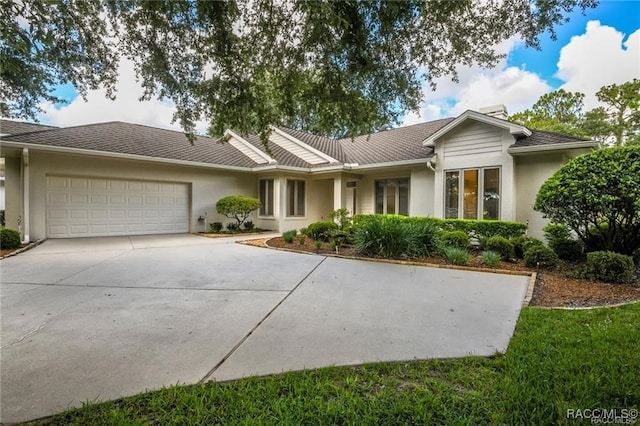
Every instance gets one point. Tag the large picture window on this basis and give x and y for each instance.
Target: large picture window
(295, 198)
(472, 193)
(392, 196)
(266, 197)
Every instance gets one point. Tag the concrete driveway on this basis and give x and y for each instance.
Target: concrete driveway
(96, 319)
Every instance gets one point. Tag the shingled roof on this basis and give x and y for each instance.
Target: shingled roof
(389, 146)
(10, 127)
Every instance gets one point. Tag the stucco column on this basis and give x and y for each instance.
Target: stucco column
(339, 192)
(24, 179)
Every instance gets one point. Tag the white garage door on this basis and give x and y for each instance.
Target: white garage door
(92, 207)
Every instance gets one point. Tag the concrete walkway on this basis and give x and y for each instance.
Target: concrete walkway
(101, 318)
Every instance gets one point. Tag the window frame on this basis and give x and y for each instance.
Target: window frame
(296, 199)
(480, 193)
(396, 183)
(270, 194)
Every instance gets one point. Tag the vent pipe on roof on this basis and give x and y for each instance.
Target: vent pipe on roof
(497, 111)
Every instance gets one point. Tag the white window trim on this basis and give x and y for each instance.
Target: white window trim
(480, 209)
(395, 183)
(271, 198)
(304, 216)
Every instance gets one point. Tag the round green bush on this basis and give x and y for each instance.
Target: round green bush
(321, 230)
(541, 257)
(458, 239)
(500, 245)
(572, 250)
(9, 239)
(289, 236)
(523, 243)
(609, 267)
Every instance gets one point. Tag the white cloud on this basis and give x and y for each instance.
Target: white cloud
(126, 106)
(514, 87)
(597, 58)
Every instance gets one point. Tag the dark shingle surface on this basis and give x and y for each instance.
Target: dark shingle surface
(10, 127)
(404, 143)
(136, 139)
(539, 137)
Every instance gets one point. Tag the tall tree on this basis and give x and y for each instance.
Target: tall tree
(559, 111)
(619, 120)
(330, 67)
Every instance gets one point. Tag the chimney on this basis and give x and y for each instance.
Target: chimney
(497, 111)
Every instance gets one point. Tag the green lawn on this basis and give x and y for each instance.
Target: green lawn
(557, 360)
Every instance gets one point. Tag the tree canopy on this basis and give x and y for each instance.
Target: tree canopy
(328, 67)
(617, 122)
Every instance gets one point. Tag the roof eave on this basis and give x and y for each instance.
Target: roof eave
(122, 156)
(515, 150)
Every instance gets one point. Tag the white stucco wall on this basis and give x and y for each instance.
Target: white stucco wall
(13, 198)
(206, 185)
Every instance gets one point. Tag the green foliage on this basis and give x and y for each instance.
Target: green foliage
(458, 239)
(237, 207)
(2, 220)
(608, 266)
(301, 239)
(317, 244)
(321, 230)
(619, 119)
(289, 236)
(9, 239)
(342, 218)
(456, 255)
(215, 227)
(248, 225)
(636, 257)
(282, 68)
(500, 245)
(599, 190)
(522, 243)
(561, 242)
(392, 236)
(541, 257)
(303, 231)
(232, 227)
(474, 228)
(490, 258)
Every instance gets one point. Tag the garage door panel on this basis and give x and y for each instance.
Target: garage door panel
(99, 207)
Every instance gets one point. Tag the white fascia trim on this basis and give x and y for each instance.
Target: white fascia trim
(420, 161)
(79, 151)
(304, 145)
(243, 141)
(553, 147)
(308, 170)
(514, 129)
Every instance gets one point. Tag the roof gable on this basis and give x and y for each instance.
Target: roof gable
(517, 130)
(298, 148)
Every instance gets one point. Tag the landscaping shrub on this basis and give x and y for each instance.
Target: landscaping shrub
(2, 221)
(490, 258)
(215, 227)
(237, 207)
(500, 245)
(608, 266)
(456, 255)
(384, 236)
(596, 189)
(301, 239)
(303, 231)
(561, 242)
(232, 226)
(248, 225)
(541, 257)
(289, 236)
(342, 218)
(523, 243)
(458, 239)
(636, 257)
(9, 239)
(424, 240)
(317, 244)
(321, 230)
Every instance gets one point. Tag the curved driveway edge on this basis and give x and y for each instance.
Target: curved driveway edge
(97, 319)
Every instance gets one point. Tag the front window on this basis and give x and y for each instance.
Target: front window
(477, 191)
(295, 197)
(266, 197)
(392, 196)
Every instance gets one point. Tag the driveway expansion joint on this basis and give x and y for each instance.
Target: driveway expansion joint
(246, 336)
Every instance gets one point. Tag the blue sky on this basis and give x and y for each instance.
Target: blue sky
(599, 48)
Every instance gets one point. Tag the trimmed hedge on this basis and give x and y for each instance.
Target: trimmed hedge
(459, 239)
(523, 243)
(500, 245)
(541, 257)
(9, 239)
(321, 230)
(474, 228)
(609, 267)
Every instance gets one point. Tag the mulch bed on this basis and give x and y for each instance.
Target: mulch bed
(554, 288)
